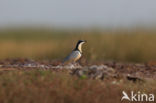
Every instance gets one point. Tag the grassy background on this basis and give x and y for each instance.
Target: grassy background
(39, 86)
(135, 45)
(45, 86)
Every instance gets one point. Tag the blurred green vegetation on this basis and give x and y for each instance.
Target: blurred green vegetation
(135, 45)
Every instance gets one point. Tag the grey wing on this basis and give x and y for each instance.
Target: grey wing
(72, 56)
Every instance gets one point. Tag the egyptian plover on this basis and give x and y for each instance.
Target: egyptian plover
(76, 53)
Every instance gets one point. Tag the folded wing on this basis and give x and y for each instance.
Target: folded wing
(73, 57)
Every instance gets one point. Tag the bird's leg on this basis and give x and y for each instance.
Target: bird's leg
(76, 64)
(73, 63)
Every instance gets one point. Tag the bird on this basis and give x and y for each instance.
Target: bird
(76, 54)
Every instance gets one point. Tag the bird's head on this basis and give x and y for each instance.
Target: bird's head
(79, 45)
(81, 41)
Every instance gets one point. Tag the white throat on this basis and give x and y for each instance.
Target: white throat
(80, 47)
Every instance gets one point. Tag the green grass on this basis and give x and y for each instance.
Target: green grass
(119, 45)
(40, 86)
